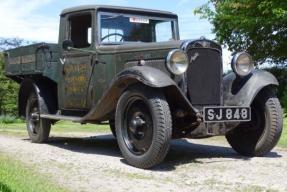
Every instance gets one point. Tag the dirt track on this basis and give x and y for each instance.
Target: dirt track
(94, 163)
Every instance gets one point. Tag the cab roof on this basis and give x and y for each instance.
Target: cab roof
(118, 9)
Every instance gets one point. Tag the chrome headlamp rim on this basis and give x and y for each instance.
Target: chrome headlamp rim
(169, 62)
(234, 64)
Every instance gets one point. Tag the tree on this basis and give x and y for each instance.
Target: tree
(10, 43)
(257, 26)
(8, 88)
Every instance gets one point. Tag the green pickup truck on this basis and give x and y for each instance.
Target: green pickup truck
(128, 66)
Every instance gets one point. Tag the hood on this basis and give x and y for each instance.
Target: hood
(140, 46)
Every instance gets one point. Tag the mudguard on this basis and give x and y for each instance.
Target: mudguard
(145, 75)
(44, 93)
(238, 91)
(27, 86)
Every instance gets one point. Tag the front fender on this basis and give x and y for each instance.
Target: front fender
(242, 91)
(145, 75)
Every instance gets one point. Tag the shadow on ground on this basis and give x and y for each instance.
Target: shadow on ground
(181, 151)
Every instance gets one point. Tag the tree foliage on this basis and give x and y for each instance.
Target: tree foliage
(10, 43)
(257, 26)
(8, 88)
(281, 75)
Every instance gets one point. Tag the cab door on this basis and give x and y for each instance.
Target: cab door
(77, 63)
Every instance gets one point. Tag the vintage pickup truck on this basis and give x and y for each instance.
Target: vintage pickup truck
(128, 66)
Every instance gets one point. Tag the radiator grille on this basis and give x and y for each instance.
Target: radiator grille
(204, 76)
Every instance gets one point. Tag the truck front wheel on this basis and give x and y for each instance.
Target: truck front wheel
(143, 126)
(38, 128)
(261, 134)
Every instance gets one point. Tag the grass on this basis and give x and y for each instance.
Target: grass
(9, 119)
(76, 127)
(60, 127)
(283, 139)
(15, 177)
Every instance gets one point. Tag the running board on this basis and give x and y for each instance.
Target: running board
(61, 117)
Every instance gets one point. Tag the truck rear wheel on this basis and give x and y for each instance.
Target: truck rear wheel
(38, 128)
(261, 134)
(143, 126)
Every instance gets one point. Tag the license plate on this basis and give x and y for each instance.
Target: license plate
(226, 114)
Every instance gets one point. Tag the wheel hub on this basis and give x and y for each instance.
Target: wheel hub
(34, 120)
(136, 127)
(35, 117)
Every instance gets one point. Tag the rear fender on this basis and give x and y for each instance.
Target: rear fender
(45, 92)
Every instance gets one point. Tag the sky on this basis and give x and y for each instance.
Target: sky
(38, 20)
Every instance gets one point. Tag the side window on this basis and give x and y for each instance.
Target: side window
(81, 30)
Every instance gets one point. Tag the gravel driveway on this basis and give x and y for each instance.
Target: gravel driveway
(94, 163)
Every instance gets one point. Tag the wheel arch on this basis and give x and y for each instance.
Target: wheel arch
(27, 86)
(242, 91)
(45, 91)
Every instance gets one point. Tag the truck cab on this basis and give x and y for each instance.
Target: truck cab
(101, 37)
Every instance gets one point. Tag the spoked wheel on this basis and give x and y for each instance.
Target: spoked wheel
(261, 134)
(143, 126)
(38, 129)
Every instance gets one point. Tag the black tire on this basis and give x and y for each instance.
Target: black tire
(261, 134)
(38, 128)
(113, 127)
(143, 126)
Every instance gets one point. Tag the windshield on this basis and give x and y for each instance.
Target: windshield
(120, 28)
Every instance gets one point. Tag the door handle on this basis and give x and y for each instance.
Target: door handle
(96, 62)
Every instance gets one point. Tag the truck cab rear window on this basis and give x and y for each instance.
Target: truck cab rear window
(80, 30)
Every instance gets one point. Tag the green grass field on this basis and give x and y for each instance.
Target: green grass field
(16, 177)
(60, 127)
